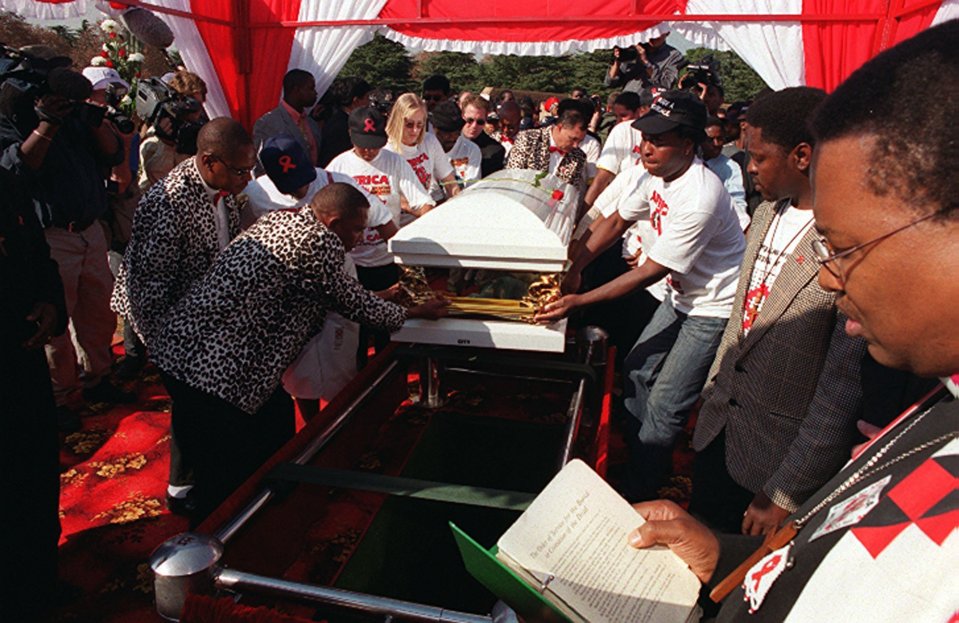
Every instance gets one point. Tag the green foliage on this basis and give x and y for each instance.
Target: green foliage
(546, 73)
(386, 63)
(461, 68)
(382, 63)
(739, 80)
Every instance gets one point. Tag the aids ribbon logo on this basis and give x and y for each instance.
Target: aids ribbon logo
(369, 125)
(287, 163)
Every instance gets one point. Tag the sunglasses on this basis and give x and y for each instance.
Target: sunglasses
(413, 125)
(477, 121)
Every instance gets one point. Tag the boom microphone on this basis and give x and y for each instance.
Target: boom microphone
(147, 27)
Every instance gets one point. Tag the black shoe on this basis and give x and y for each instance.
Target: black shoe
(130, 368)
(67, 421)
(185, 506)
(105, 391)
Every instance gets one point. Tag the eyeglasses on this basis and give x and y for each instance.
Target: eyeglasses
(244, 172)
(477, 121)
(413, 125)
(829, 260)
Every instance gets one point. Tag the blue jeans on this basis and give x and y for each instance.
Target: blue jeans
(665, 373)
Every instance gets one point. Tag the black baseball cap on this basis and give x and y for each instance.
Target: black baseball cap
(368, 128)
(286, 163)
(447, 117)
(671, 110)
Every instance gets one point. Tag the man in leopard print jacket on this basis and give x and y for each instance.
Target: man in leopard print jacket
(554, 149)
(224, 346)
(181, 225)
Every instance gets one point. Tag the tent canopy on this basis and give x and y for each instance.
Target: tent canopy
(242, 48)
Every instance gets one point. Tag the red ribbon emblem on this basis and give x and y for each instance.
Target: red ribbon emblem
(369, 125)
(287, 163)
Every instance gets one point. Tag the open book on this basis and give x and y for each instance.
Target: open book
(567, 558)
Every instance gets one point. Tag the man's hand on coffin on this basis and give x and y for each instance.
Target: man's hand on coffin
(557, 309)
(431, 309)
(390, 293)
(668, 524)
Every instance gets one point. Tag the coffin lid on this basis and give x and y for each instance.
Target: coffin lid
(512, 220)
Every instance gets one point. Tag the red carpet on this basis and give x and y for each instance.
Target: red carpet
(113, 511)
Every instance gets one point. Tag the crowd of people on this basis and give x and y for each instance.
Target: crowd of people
(732, 251)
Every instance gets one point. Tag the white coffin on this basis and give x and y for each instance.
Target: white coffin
(513, 220)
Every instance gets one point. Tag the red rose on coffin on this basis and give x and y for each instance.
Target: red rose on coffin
(557, 195)
(105, 54)
(109, 63)
(122, 52)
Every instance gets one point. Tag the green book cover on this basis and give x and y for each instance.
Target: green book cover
(504, 582)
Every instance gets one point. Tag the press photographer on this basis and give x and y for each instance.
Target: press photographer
(703, 80)
(653, 63)
(62, 147)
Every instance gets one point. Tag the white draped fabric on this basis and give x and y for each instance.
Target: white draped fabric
(31, 9)
(520, 48)
(195, 55)
(324, 51)
(774, 50)
(947, 11)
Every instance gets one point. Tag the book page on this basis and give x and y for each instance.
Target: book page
(576, 530)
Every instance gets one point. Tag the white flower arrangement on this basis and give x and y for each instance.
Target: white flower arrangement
(98, 61)
(136, 57)
(109, 25)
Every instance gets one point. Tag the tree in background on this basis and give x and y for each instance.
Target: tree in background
(385, 63)
(740, 82)
(382, 63)
(461, 68)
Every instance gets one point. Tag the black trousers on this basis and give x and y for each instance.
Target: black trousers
(374, 278)
(223, 443)
(30, 481)
(717, 499)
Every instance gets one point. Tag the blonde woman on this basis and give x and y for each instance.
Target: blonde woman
(408, 137)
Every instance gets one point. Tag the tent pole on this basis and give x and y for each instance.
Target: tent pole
(243, 55)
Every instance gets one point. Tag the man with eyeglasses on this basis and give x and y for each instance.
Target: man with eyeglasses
(780, 407)
(179, 228)
(475, 112)
(878, 542)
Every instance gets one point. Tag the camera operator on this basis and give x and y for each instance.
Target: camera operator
(173, 120)
(703, 80)
(63, 147)
(654, 63)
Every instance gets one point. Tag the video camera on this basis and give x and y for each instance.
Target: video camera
(706, 71)
(24, 77)
(157, 101)
(629, 53)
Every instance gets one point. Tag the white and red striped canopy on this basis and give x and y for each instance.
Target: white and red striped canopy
(242, 48)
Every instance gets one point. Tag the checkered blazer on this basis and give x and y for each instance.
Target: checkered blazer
(531, 151)
(788, 394)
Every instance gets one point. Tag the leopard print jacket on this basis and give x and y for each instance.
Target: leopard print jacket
(172, 244)
(267, 294)
(531, 151)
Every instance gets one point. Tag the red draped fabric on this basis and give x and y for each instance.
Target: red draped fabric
(249, 62)
(528, 20)
(270, 52)
(833, 50)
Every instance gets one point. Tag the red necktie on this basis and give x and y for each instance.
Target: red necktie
(506, 139)
(220, 194)
(554, 148)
